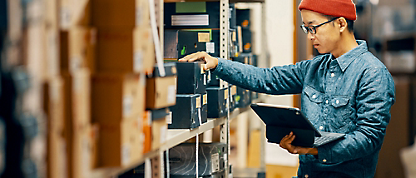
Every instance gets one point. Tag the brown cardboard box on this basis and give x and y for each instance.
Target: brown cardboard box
(51, 14)
(74, 13)
(159, 132)
(124, 50)
(116, 97)
(52, 52)
(144, 49)
(57, 157)
(119, 144)
(83, 151)
(160, 92)
(82, 42)
(54, 104)
(126, 13)
(81, 90)
(77, 99)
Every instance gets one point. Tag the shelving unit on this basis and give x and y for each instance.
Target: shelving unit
(174, 137)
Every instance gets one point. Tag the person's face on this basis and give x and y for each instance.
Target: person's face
(327, 35)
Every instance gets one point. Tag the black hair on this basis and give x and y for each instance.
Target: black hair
(350, 23)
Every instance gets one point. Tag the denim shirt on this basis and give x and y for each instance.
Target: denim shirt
(351, 94)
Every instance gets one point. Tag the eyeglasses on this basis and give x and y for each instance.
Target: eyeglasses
(312, 29)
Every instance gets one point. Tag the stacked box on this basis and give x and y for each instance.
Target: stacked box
(217, 102)
(161, 90)
(187, 113)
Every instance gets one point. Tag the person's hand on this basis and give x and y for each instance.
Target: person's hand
(286, 143)
(210, 62)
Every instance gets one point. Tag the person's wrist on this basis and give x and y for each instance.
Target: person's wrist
(313, 151)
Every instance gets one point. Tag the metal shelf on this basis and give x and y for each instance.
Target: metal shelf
(174, 137)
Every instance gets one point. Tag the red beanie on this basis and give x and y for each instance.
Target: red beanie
(336, 8)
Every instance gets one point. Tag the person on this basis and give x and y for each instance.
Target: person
(346, 89)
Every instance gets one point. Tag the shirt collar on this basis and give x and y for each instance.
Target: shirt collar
(345, 60)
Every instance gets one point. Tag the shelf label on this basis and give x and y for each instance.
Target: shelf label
(210, 47)
(171, 94)
(198, 102)
(204, 99)
(125, 154)
(127, 106)
(215, 162)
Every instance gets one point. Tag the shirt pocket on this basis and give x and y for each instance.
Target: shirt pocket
(341, 114)
(313, 95)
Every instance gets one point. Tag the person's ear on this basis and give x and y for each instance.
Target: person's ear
(343, 25)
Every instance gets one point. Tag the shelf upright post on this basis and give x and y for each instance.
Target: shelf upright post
(224, 53)
(158, 166)
(264, 57)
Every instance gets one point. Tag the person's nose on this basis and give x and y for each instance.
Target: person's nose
(311, 36)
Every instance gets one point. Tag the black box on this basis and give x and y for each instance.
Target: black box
(198, 40)
(243, 97)
(170, 46)
(233, 16)
(210, 159)
(186, 113)
(243, 18)
(191, 78)
(188, 42)
(175, 18)
(204, 108)
(217, 105)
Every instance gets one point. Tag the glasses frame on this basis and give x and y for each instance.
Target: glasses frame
(313, 28)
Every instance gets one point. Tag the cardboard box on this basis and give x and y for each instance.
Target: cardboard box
(56, 155)
(82, 43)
(159, 132)
(108, 13)
(160, 92)
(52, 52)
(74, 13)
(120, 144)
(51, 13)
(84, 151)
(54, 104)
(125, 50)
(77, 99)
(117, 97)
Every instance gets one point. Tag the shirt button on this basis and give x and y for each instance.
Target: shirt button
(332, 75)
(326, 101)
(324, 160)
(306, 176)
(321, 127)
(313, 96)
(337, 101)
